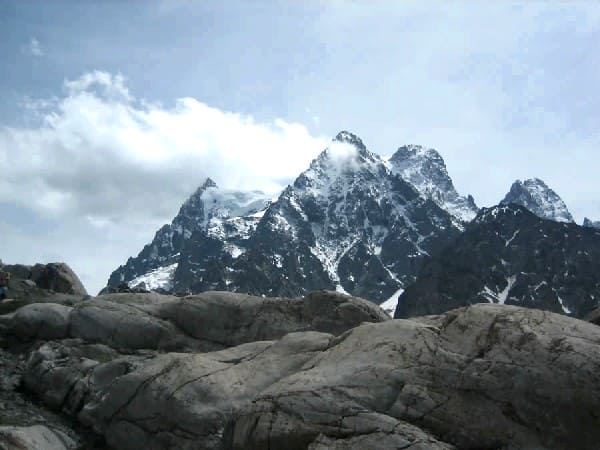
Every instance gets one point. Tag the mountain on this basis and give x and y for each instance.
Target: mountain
(508, 255)
(347, 223)
(425, 169)
(591, 223)
(538, 198)
(208, 214)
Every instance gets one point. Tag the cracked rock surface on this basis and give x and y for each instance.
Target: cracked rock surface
(314, 374)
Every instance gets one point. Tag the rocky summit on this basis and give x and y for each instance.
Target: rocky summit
(508, 255)
(426, 170)
(538, 198)
(224, 371)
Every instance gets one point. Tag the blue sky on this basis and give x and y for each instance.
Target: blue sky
(113, 111)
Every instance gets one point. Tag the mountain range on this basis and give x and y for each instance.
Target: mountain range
(378, 228)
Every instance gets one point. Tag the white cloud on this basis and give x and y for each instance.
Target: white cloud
(35, 48)
(343, 154)
(101, 153)
(102, 163)
(106, 85)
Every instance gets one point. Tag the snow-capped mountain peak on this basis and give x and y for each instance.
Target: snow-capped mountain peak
(350, 138)
(211, 213)
(537, 197)
(210, 204)
(425, 169)
(191, 213)
(344, 216)
(346, 223)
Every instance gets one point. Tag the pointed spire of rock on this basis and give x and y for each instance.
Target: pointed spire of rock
(208, 183)
(537, 197)
(350, 138)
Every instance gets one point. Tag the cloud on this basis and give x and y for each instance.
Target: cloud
(343, 154)
(101, 163)
(103, 154)
(35, 48)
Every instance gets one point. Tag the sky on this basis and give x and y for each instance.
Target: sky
(113, 112)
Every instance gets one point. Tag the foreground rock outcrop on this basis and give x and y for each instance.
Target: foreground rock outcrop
(41, 283)
(58, 277)
(230, 371)
(203, 322)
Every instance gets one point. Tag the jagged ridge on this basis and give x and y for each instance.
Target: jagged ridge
(508, 255)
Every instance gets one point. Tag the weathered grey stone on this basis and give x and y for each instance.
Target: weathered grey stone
(53, 370)
(61, 279)
(484, 376)
(35, 437)
(126, 321)
(177, 401)
(41, 321)
(488, 376)
(231, 319)
(212, 320)
(381, 437)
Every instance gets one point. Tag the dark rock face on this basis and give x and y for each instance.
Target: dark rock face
(346, 223)
(485, 376)
(538, 198)
(509, 255)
